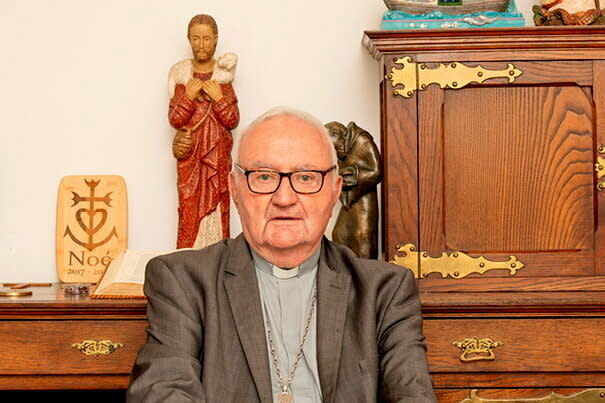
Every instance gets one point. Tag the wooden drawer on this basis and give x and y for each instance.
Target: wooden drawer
(526, 345)
(45, 347)
(519, 395)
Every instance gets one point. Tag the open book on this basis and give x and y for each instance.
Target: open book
(125, 275)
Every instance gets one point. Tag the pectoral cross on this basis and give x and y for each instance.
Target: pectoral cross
(285, 397)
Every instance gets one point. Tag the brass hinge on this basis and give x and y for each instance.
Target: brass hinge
(417, 76)
(454, 264)
(600, 168)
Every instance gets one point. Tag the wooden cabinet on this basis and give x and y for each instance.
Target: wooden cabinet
(492, 143)
(52, 341)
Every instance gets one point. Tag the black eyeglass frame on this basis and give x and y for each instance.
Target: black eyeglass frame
(288, 175)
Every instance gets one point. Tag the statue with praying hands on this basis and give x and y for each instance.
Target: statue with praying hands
(203, 108)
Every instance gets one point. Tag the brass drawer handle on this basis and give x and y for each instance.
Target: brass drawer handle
(588, 395)
(475, 349)
(97, 347)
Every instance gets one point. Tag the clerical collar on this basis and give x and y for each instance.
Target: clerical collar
(269, 268)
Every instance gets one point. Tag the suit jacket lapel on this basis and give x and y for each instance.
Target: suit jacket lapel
(244, 298)
(332, 295)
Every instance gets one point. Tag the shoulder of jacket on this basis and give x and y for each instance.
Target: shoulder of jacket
(191, 260)
(340, 254)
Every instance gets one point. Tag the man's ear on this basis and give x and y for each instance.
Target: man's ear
(339, 184)
(234, 195)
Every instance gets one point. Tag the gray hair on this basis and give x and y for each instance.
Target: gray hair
(290, 112)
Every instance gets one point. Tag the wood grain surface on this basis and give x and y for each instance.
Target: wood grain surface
(512, 284)
(45, 347)
(528, 345)
(599, 105)
(430, 169)
(458, 395)
(567, 41)
(503, 169)
(400, 187)
(37, 333)
(472, 380)
(518, 169)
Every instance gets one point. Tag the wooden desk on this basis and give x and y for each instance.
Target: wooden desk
(37, 334)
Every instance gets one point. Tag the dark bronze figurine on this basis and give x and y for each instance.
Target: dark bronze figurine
(360, 166)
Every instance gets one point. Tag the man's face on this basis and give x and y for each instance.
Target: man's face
(203, 42)
(285, 219)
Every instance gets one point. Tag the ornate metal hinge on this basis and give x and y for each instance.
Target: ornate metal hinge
(600, 168)
(97, 347)
(453, 264)
(417, 76)
(586, 396)
(475, 349)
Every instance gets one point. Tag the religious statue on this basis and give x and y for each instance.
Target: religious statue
(360, 166)
(568, 12)
(203, 109)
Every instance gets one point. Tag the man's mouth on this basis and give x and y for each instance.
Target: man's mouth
(286, 218)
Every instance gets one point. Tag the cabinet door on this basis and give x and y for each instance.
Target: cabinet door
(505, 176)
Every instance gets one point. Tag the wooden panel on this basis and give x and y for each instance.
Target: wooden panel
(518, 380)
(552, 54)
(584, 283)
(45, 347)
(458, 395)
(539, 264)
(599, 103)
(507, 304)
(518, 169)
(400, 186)
(534, 72)
(430, 168)
(576, 42)
(80, 381)
(52, 303)
(555, 345)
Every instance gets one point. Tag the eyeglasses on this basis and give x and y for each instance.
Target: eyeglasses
(264, 181)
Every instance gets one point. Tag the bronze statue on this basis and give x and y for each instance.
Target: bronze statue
(360, 166)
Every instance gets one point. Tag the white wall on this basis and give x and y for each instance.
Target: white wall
(83, 91)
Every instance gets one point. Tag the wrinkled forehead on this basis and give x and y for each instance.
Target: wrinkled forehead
(285, 143)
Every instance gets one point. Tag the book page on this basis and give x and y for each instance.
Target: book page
(132, 267)
(125, 274)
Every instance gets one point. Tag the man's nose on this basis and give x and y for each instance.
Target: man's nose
(284, 195)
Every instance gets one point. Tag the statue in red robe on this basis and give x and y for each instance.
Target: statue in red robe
(203, 107)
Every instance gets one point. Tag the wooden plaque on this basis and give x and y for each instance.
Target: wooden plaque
(92, 226)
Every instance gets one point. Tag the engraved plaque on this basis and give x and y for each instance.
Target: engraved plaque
(92, 226)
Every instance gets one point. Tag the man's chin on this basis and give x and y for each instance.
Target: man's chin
(285, 239)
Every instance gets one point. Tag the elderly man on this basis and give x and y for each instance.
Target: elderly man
(281, 314)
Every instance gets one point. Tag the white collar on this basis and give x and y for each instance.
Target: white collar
(285, 273)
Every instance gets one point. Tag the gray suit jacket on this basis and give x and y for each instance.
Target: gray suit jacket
(206, 336)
